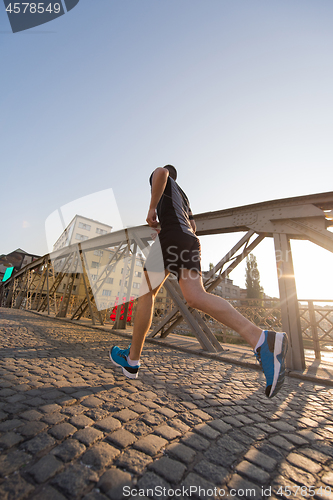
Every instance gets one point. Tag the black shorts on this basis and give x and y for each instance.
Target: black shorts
(172, 251)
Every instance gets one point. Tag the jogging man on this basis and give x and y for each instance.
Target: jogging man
(177, 251)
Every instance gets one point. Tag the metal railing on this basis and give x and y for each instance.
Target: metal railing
(317, 324)
(316, 318)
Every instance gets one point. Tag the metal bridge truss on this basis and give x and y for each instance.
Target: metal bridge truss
(307, 218)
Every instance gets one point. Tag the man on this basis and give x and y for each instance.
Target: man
(178, 249)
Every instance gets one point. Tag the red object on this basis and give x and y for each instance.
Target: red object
(129, 311)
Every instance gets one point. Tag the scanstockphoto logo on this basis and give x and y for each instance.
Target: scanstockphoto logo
(25, 15)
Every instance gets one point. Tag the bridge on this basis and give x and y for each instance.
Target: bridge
(47, 285)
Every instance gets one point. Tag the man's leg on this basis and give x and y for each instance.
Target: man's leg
(129, 359)
(197, 297)
(144, 311)
(270, 347)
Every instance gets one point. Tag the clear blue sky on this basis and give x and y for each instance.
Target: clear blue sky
(236, 94)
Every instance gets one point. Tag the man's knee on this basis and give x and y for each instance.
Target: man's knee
(193, 299)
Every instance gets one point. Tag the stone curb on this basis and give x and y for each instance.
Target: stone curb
(216, 356)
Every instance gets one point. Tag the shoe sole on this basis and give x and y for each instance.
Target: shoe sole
(125, 372)
(280, 351)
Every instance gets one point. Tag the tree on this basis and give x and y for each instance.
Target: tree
(252, 278)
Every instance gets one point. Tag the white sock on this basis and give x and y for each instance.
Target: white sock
(260, 341)
(133, 363)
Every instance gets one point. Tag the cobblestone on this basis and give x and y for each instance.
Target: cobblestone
(303, 463)
(108, 424)
(122, 438)
(197, 442)
(167, 432)
(74, 480)
(62, 431)
(113, 481)
(180, 451)
(69, 450)
(54, 418)
(206, 431)
(260, 459)
(45, 468)
(13, 461)
(328, 478)
(15, 488)
(248, 489)
(88, 435)
(32, 428)
(100, 455)
(152, 481)
(211, 472)
(168, 468)
(133, 460)
(252, 472)
(150, 444)
(73, 428)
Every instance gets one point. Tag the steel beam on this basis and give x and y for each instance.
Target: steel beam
(89, 295)
(122, 323)
(289, 305)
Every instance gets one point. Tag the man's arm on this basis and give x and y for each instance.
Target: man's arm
(159, 180)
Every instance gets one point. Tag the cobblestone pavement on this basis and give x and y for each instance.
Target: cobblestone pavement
(72, 427)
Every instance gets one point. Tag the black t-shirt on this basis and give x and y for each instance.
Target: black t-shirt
(173, 209)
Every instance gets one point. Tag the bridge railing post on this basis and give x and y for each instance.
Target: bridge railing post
(314, 329)
(291, 323)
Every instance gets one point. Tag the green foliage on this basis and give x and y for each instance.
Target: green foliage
(252, 279)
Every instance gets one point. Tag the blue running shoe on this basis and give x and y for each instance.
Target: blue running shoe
(119, 358)
(271, 356)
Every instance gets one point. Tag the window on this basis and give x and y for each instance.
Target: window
(138, 274)
(139, 263)
(109, 280)
(136, 285)
(100, 231)
(95, 264)
(106, 293)
(84, 226)
(80, 237)
(98, 252)
(74, 288)
(94, 277)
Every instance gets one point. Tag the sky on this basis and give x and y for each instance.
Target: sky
(237, 94)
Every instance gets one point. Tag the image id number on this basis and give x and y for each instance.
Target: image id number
(305, 491)
(33, 8)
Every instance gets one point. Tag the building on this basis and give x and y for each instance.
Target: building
(226, 289)
(80, 229)
(17, 259)
(109, 279)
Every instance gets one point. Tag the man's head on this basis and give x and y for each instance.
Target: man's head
(172, 171)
